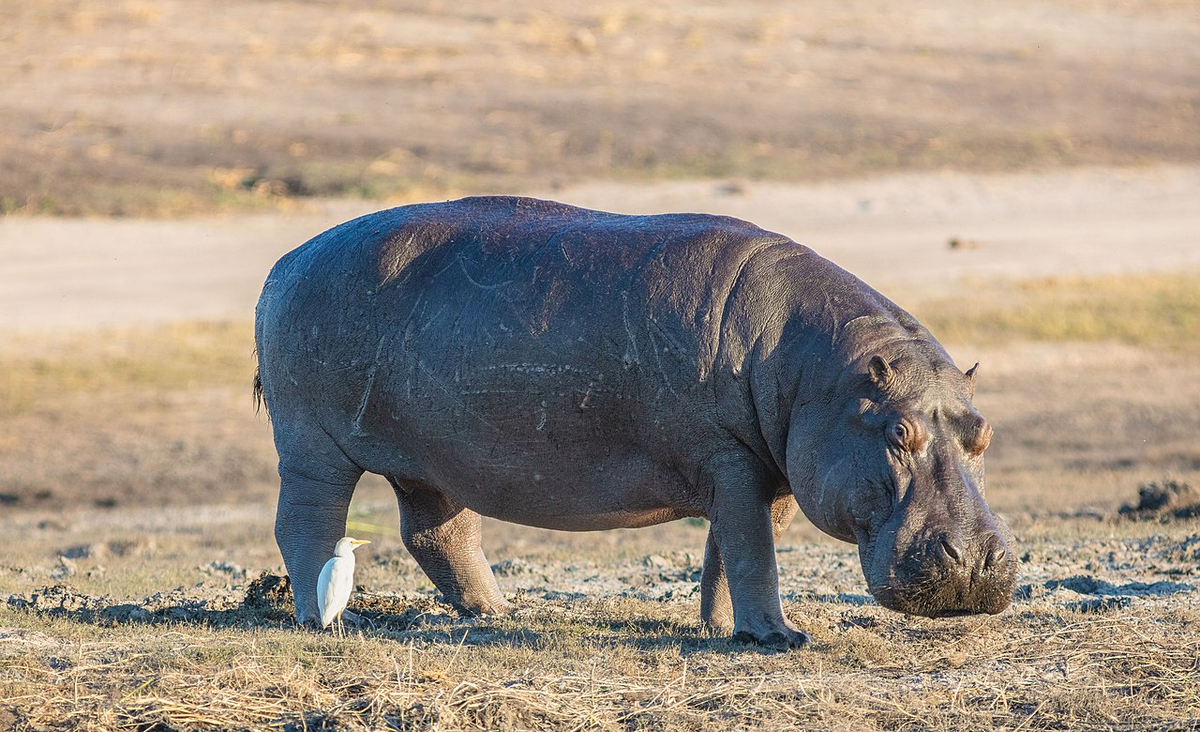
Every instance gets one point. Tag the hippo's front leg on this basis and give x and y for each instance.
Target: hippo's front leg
(740, 582)
(716, 607)
(444, 537)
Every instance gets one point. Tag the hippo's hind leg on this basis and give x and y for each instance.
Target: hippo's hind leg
(716, 606)
(745, 518)
(316, 483)
(444, 537)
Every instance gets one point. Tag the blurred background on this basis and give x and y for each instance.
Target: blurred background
(1024, 176)
(154, 107)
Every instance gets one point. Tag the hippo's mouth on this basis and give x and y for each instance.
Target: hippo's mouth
(922, 583)
(931, 605)
(991, 606)
(939, 596)
(955, 613)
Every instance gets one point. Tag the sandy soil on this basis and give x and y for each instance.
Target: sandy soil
(894, 232)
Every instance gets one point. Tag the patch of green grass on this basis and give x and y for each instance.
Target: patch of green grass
(151, 359)
(1153, 310)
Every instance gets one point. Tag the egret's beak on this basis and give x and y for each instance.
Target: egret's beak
(360, 542)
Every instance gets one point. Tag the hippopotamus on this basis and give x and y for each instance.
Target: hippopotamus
(573, 369)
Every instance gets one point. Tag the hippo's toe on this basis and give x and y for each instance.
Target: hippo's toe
(778, 639)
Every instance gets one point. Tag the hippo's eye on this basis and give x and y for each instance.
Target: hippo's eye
(905, 435)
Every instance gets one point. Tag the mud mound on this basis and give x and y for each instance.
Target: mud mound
(269, 592)
(1165, 501)
(268, 600)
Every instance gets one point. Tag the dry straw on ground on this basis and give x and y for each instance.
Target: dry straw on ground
(70, 662)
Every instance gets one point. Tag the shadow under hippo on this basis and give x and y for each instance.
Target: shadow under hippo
(580, 370)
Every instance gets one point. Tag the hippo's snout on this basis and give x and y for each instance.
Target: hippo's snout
(986, 554)
(945, 576)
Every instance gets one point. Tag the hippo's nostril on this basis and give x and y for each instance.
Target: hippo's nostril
(995, 556)
(951, 550)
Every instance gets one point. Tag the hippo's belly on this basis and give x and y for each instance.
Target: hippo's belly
(563, 476)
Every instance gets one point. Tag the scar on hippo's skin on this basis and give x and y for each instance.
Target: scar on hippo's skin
(356, 425)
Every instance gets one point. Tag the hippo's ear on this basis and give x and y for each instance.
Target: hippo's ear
(970, 374)
(880, 372)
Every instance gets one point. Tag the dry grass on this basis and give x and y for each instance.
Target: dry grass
(153, 416)
(1160, 311)
(609, 665)
(1104, 634)
(42, 371)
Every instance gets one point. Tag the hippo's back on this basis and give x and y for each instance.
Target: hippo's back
(490, 279)
(490, 236)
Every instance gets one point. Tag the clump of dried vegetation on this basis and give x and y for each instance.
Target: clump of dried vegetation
(1163, 501)
(522, 97)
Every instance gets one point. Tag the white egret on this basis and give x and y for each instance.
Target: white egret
(337, 582)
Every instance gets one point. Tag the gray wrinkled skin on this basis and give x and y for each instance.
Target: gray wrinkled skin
(579, 370)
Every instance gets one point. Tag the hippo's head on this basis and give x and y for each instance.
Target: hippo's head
(900, 473)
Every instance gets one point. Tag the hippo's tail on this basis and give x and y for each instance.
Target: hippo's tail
(260, 400)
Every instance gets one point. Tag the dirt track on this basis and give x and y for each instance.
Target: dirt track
(893, 232)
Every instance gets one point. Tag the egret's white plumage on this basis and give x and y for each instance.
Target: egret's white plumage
(337, 581)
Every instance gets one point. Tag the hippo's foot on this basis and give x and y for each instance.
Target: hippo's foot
(775, 639)
(782, 637)
(492, 606)
(719, 627)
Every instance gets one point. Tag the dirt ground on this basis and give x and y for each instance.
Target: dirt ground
(987, 157)
(892, 231)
